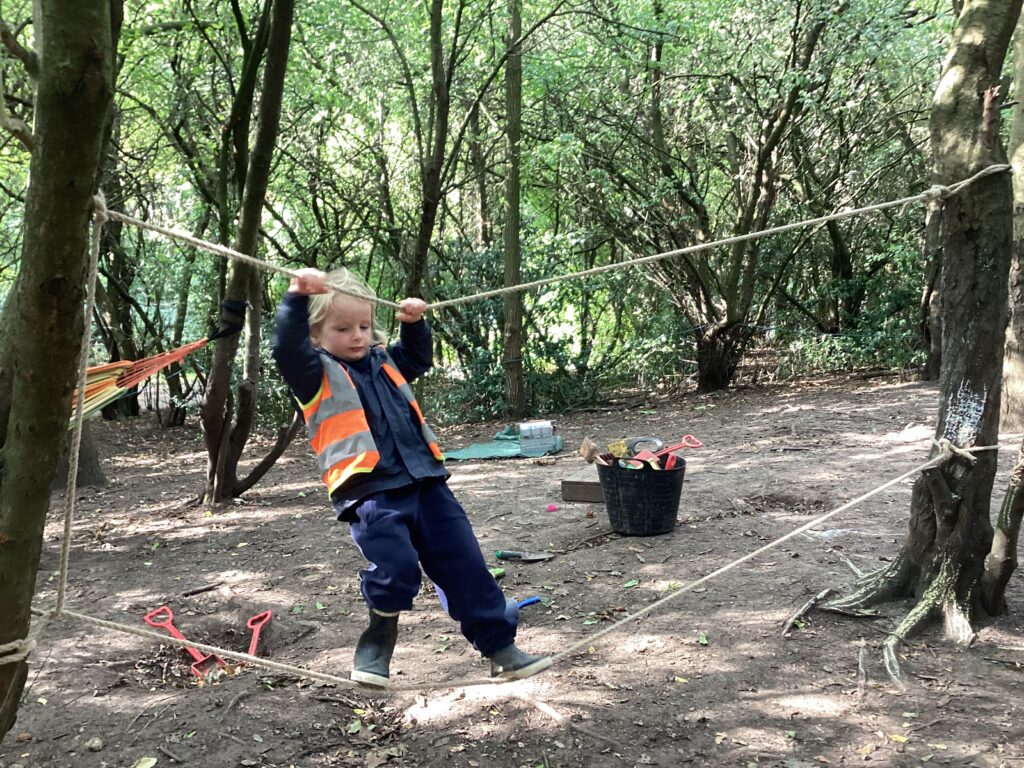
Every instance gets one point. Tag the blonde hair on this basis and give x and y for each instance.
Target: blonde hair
(352, 286)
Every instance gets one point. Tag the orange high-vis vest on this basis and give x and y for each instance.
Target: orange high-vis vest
(338, 430)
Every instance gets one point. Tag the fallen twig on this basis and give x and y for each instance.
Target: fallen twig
(237, 697)
(200, 590)
(1014, 664)
(862, 668)
(146, 708)
(584, 542)
(170, 754)
(561, 719)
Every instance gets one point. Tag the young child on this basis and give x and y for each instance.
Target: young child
(383, 469)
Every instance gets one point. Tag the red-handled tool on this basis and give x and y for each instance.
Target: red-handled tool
(687, 441)
(163, 618)
(256, 624)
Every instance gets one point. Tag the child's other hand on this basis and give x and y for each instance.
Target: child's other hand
(308, 281)
(411, 310)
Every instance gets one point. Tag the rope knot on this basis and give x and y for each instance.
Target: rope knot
(19, 650)
(938, 192)
(99, 209)
(947, 451)
(11, 653)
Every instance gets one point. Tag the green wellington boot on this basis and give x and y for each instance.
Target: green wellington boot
(373, 651)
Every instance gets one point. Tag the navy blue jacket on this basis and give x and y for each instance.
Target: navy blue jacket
(404, 456)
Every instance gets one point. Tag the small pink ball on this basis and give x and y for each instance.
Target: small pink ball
(552, 507)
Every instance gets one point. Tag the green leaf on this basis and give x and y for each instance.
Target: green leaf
(631, 583)
(355, 726)
(298, 608)
(702, 638)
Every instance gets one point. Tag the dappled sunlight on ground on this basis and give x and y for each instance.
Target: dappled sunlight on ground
(705, 679)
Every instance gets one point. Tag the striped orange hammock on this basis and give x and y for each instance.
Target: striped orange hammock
(105, 383)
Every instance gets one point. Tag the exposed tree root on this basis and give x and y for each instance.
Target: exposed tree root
(804, 609)
(918, 615)
(871, 589)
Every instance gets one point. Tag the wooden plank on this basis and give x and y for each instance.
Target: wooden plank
(583, 485)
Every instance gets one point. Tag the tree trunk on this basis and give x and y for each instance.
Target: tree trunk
(718, 356)
(484, 236)
(942, 558)
(515, 384)
(931, 304)
(1012, 408)
(224, 441)
(433, 162)
(285, 435)
(90, 472)
(44, 311)
(1002, 557)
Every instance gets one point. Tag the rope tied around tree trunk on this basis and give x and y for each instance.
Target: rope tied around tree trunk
(947, 451)
(19, 650)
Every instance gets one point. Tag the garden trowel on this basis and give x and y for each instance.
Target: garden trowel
(523, 557)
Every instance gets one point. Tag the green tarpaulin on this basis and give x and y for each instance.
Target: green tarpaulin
(506, 445)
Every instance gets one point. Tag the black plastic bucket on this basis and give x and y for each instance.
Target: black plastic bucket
(642, 502)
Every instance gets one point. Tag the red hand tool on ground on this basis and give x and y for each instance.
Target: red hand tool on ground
(256, 624)
(163, 618)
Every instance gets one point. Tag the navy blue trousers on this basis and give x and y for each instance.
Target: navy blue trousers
(423, 524)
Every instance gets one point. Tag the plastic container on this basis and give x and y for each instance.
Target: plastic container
(538, 437)
(642, 502)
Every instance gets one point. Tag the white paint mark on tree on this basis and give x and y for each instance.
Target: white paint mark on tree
(963, 415)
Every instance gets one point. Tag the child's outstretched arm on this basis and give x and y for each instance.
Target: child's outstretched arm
(298, 361)
(413, 353)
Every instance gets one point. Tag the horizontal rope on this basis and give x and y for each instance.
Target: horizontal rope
(228, 253)
(935, 192)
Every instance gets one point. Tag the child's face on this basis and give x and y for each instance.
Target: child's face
(346, 330)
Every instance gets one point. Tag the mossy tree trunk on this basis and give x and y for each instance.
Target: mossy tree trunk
(942, 559)
(74, 89)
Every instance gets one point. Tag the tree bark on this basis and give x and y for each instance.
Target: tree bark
(515, 383)
(90, 471)
(225, 441)
(433, 161)
(931, 304)
(44, 311)
(941, 560)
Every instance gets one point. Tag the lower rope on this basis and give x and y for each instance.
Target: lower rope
(585, 642)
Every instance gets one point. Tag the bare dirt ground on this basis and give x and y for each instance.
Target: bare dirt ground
(705, 680)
